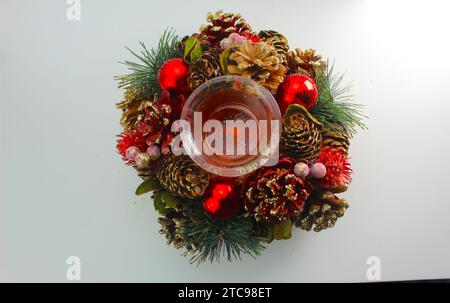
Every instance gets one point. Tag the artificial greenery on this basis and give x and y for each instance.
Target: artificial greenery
(147, 186)
(333, 108)
(192, 49)
(144, 74)
(213, 239)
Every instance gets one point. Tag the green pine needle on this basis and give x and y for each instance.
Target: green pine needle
(144, 74)
(333, 108)
(213, 239)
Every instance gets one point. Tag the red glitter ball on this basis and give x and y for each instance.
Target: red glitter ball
(339, 172)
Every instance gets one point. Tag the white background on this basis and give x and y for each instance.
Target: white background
(64, 191)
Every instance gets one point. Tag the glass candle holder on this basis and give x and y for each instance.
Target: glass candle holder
(231, 126)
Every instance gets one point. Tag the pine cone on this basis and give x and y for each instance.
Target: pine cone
(182, 177)
(301, 135)
(221, 25)
(304, 62)
(277, 40)
(275, 194)
(321, 211)
(259, 61)
(337, 140)
(132, 106)
(172, 225)
(146, 173)
(206, 67)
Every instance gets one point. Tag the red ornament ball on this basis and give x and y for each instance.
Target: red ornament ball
(299, 89)
(172, 76)
(222, 200)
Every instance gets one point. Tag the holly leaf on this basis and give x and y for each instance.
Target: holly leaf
(158, 203)
(283, 230)
(147, 186)
(169, 200)
(192, 50)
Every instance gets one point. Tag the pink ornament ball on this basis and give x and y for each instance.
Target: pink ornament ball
(154, 151)
(301, 170)
(142, 160)
(318, 170)
(131, 153)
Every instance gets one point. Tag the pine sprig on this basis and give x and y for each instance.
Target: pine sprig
(213, 239)
(333, 108)
(144, 74)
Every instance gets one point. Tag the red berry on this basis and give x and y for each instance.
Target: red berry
(222, 201)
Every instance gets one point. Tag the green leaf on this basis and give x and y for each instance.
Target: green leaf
(224, 60)
(192, 50)
(169, 200)
(283, 230)
(147, 186)
(159, 204)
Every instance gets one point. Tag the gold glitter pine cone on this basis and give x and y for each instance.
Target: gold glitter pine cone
(277, 40)
(206, 67)
(172, 225)
(321, 211)
(305, 62)
(182, 177)
(258, 61)
(132, 106)
(301, 136)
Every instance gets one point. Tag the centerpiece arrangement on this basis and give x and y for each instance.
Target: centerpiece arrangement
(209, 214)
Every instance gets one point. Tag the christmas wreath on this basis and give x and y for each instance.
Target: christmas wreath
(207, 215)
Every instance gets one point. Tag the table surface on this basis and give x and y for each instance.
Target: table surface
(65, 192)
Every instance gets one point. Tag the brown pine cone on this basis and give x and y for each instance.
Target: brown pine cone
(305, 62)
(259, 61)
(337, 140)
(301, 136)
(275, 194)
(221, 25)
(206, 67)
(182, 177)
(276, 39)
(321, 211)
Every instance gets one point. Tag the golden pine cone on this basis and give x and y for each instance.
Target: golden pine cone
(337, 140)
(321, 211)
(206, 67)
(145, 173)
(182, 177)
(305, 62)
(132, 106)
(276, 39)
(301, 136)
(172, 225)
(259, 61)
